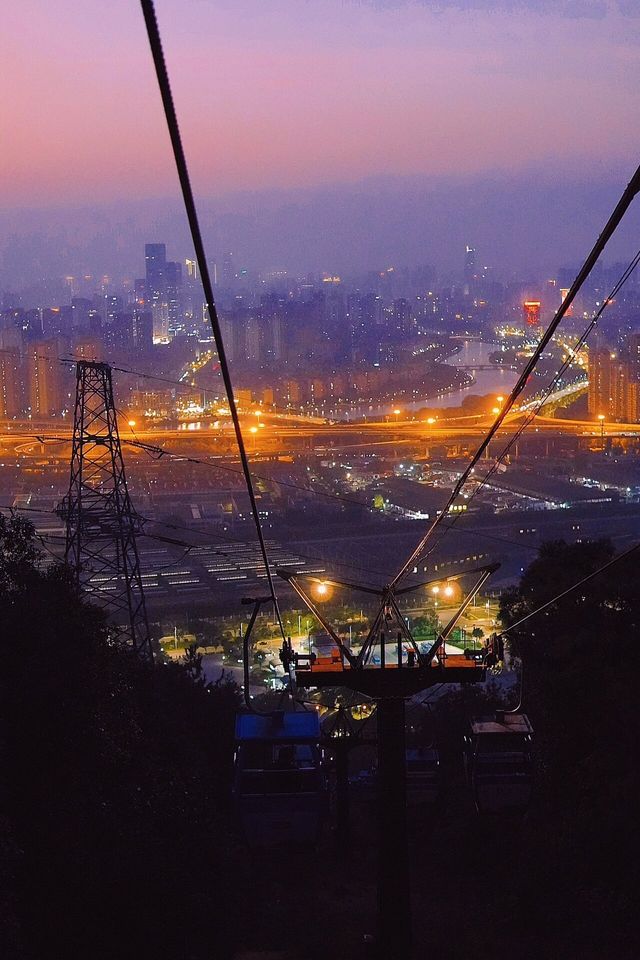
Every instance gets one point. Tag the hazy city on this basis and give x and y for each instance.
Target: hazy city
(320, 482)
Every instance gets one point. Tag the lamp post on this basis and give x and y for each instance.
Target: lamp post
(601, 419)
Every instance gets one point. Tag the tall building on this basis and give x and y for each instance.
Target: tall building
(531, 310)
(11, 384)
(173, 292)
(599, 381)
(469, 269)
(633, 348)
(228, 271)
(614, 383)
(43, 374)
(143, 332)
(253, 341)
(402, 316)
(155, 260)
(619, 389)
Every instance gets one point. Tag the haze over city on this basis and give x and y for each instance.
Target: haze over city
(399, 130)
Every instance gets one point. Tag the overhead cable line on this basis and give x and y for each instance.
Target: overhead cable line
(621, 207)
(162, 75)
(539, 404)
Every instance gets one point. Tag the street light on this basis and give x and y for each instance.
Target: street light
(322, 590)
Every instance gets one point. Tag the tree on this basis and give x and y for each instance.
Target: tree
(118, 775)
(580, 660)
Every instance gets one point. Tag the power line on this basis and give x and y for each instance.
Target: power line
(532, 414)
(548, 390)
(621, 207)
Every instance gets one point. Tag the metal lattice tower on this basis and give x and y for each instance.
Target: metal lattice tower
(101, 522)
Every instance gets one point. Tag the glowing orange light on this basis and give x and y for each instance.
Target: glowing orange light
(132, 423)
(322, 590)
(532, 312)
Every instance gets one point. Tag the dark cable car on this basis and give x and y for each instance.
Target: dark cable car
(279, 785)
(499, 764)
(423, 775)
(423, 778)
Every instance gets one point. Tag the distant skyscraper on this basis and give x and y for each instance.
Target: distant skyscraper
(469, 260)
(599, 381)
(633, 346)
(532, 312)
(143, 332)
(173, 291)
(192, 269)
(228, 271)
(155, 258)
(402, 316)
(11, 383)
(43, 378)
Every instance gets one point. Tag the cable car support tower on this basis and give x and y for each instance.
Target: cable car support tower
(101, 524)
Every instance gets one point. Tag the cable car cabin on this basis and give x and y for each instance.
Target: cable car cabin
(498, 762)
(279, 785)
(423, 778)
(423, 775)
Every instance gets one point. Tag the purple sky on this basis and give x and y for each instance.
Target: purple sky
(290, 93)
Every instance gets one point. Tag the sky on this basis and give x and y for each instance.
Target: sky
(304, 95)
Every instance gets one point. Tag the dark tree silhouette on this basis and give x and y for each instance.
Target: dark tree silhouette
(114, 818)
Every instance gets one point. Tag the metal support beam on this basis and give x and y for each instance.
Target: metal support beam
(394, 888)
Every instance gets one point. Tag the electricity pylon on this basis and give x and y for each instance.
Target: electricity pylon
(100, 520)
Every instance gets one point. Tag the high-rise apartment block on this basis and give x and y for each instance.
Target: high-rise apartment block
(163, 294)
(614, 382)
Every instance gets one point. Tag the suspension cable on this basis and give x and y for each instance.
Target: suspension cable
(623, 204)
(539, 404)
(155, 44)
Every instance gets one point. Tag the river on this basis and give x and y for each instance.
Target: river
(475, 353)
(471, 355)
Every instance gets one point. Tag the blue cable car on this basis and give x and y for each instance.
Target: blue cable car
(279, 785)
(498, 761)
